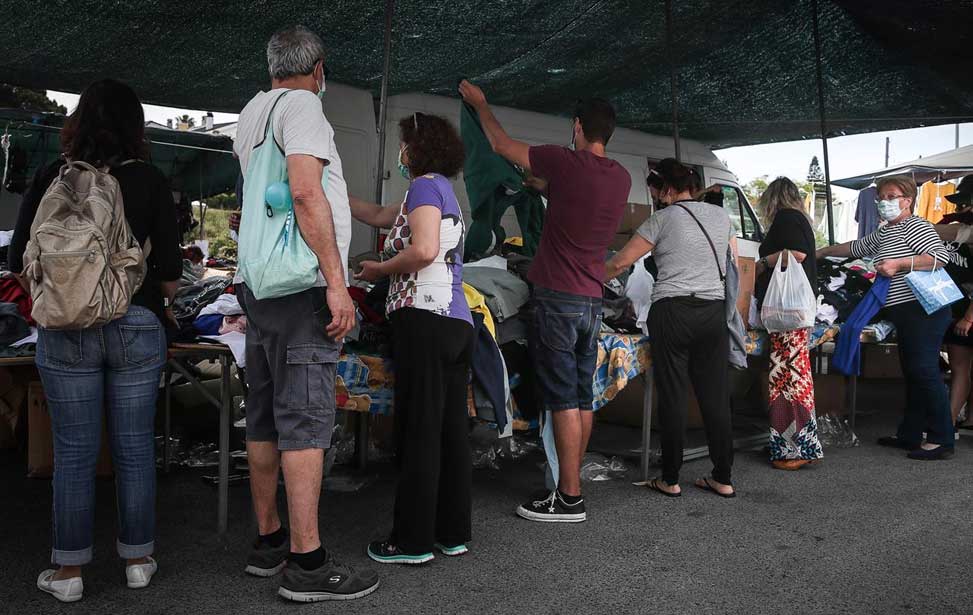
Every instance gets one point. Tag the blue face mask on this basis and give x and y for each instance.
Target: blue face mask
(404, 170)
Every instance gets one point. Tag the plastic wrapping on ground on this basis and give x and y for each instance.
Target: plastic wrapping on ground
(835, 431)
(597, 468)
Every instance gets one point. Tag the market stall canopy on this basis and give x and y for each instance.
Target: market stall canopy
(947, 165)
(745, 69)
(198, 165)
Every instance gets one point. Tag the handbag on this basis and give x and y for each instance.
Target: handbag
(933, 289)
(790, 303)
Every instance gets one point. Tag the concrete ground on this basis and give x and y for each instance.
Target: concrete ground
(866, 531)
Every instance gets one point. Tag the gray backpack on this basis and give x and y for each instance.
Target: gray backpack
(82, 262)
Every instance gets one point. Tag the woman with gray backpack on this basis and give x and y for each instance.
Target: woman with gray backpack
(97, 245)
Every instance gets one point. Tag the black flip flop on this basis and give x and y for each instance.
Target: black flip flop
(654, 486)
(707, 487)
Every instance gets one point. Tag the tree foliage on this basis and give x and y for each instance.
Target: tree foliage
(13, 97)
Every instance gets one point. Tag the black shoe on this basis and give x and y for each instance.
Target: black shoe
(265, 560)
(553, 509)
(895, 442)
(384, 552)
(936, 454)
(332, 581)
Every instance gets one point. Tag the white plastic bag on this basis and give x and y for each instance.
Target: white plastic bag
(790, 303)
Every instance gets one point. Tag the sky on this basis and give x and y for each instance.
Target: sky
(850, 156)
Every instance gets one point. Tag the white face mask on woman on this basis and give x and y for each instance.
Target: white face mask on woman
(889, 209)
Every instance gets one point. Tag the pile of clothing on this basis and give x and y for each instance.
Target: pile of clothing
(842, 284)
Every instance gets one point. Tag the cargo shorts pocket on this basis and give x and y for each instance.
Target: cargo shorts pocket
(310, 376)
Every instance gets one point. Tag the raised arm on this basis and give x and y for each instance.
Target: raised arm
(514, 151)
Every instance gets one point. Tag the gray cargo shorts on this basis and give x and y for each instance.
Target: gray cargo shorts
(291, 364)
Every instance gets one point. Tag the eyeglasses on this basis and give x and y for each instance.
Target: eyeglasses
(890, 197)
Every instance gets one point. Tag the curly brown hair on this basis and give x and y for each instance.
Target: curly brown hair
(434, 145)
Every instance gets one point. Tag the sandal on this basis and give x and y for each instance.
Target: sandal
(656, 485)
(707, 486)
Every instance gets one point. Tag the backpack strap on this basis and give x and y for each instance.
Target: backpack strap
(705, 234)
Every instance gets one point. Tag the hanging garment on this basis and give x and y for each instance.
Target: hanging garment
(793, 425)
(866, 213)
(847, 353)
(488, 371)
(493, 186)
(932, 204)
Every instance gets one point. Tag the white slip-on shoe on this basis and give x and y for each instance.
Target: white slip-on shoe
(65, 590)
(140, 575)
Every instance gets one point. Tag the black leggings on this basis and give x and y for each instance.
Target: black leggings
(432, 356)
(690, 344)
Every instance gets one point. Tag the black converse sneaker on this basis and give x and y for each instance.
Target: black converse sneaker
(266, 560)
(553, 509)
(332, 581)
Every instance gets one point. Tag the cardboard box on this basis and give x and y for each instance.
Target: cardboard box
(633, 217)
(40, 442)
(881, 361)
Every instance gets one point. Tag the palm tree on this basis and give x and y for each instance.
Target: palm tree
(187, 120)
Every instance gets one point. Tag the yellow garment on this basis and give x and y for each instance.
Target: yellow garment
(477, 303)
(932, 203)
(515, 241)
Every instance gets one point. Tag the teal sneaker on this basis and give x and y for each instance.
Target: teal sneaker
(385, 552)
(452, 551)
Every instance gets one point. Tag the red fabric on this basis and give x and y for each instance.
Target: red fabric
(587, 195)
(12, 292)
(358, 296)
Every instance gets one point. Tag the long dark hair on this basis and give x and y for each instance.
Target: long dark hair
(107, 127)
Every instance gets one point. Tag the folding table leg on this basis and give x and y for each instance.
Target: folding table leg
(225, 419)
(647, 422)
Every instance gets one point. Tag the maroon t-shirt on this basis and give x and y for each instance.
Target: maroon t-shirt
(586, 197)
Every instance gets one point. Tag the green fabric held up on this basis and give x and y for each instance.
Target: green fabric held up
(494, 185)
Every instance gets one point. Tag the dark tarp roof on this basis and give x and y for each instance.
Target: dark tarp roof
(198, 165)
(746, 69)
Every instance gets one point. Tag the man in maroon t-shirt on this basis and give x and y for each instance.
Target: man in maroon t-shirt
(587, 193)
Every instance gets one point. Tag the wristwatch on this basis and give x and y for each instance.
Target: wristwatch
(166, 302)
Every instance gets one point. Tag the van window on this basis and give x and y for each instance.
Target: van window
(741, 215)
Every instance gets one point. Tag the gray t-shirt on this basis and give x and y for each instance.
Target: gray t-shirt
(685, 260)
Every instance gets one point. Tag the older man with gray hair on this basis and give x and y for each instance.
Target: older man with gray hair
(293, 341)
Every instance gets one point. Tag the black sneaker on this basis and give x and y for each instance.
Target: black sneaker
(265, 560)
(385, 552)
(553, 509)
(332, 581)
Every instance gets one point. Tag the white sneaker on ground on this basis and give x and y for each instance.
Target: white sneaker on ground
(65, 590)
(140, 575)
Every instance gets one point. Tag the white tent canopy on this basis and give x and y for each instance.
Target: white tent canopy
(947, 165)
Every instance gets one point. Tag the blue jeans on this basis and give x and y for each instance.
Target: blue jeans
(920, 337)
(116, 368)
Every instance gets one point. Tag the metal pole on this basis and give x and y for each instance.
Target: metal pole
(672, 80)
(957, 136)
(824, 130)
(887, 152)
(383, 100)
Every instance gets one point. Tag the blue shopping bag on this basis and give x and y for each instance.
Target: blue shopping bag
(934, 289)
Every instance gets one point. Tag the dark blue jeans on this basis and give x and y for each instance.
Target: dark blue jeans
(920, 337)
(115, 368)
(564, 345)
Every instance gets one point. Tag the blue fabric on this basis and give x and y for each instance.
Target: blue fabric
(209, 324)
(920, 337)
(847, 354)
(866, 215)
(115, 368)
(488, 372)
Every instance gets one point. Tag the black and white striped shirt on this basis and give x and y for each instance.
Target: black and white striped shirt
(913, 236)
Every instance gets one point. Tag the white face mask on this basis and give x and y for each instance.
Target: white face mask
(322, 87)
(889, 210)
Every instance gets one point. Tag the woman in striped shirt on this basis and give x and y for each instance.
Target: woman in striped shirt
(904, 243)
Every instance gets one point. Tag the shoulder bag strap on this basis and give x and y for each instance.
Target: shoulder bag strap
(705, 234)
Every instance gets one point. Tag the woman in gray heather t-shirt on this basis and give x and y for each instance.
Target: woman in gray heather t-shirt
(687, 322)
